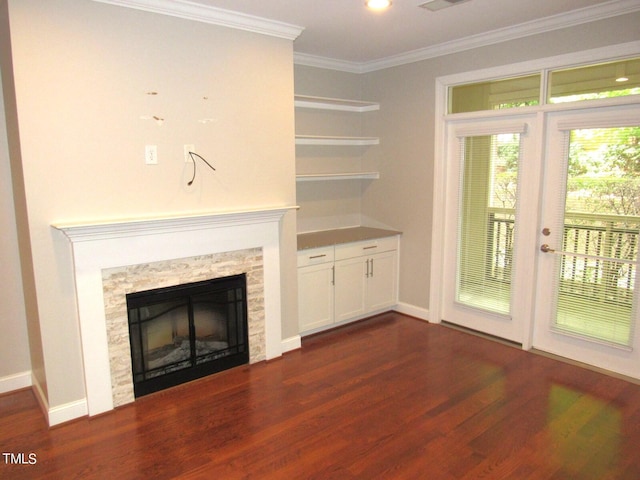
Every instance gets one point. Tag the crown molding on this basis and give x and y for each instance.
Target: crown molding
(212, 15)
(556, 22)
(328, 63)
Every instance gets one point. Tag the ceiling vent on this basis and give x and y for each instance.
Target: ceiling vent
(435, 5)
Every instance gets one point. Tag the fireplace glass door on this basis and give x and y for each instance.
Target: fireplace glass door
(184, 332)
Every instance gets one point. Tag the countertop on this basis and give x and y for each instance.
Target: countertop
(326, 238)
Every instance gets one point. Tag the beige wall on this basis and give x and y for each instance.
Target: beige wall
(82, 70)
(14, 343)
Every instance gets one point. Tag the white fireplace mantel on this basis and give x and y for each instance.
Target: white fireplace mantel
(107, 229)
(102, 245)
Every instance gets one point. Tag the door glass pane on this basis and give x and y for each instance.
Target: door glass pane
(597, 269)
(487, 220)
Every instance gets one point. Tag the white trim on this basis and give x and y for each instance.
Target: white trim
(40, 396)
(413, 311)
(556, 22)
(16, 381)
(291, 343)
(67, 412)
(309, 60)
(439, 192)
(133, 227)
(612, 52)
(212, 15)
(512, 126)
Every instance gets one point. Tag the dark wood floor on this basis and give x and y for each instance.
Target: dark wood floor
(391, 397)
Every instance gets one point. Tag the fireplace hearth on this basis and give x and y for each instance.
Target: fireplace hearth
(184, 332)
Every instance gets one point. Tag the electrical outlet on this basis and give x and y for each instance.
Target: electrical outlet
(151, 154)
(188, 148)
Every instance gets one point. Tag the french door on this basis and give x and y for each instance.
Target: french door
(586, 301)
(488, 228)
(542, 232)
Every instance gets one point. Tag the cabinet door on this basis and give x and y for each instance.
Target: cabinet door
(315, 296)
(350, 288)
(382, 282)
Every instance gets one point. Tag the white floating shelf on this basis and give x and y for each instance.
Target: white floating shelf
(316, 177)
(336, 141)
(324, 103)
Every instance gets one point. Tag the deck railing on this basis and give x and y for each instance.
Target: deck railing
(610, 237)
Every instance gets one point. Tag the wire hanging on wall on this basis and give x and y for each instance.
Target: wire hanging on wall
(191, 154)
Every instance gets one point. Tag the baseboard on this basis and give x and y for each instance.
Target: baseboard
(412, 311)
(68, 411)
(16, 381)
(40, 396)
(61, 413)
(291, 343)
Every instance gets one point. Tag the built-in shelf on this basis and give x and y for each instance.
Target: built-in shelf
(336, 104)
(336, 141)
(317, 177)
(324, 103)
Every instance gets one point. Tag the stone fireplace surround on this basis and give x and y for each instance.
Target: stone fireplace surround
(103, 249)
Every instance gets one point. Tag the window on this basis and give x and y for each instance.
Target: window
(615, 79)
(495, 94)
(605, 80)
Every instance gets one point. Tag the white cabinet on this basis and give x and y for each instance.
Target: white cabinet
(354, 280)
(315, 288)
(350, 289)
(382, 284)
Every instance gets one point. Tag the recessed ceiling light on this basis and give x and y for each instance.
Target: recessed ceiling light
(622, 79)
(377, 4)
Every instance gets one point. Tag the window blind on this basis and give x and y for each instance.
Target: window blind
(487, 220)
(597, 256)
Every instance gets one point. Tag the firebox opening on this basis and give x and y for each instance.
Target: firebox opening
(184, 332)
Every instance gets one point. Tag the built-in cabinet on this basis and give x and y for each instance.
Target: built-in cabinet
(346, 282)
(345, 273)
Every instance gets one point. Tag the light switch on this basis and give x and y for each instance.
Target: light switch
(151, 154)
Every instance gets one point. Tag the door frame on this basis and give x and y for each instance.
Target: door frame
(440, 172)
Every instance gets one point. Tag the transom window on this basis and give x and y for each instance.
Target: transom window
(604, 80)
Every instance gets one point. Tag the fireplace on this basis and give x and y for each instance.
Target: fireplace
(184, 332)
(114, 258)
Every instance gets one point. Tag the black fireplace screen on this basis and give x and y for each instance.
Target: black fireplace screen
(185, 332)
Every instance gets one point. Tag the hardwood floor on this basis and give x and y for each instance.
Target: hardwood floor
(391, 397)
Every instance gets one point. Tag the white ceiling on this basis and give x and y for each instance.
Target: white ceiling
(347, 33)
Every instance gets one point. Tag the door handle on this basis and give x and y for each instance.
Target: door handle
(546, 248)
